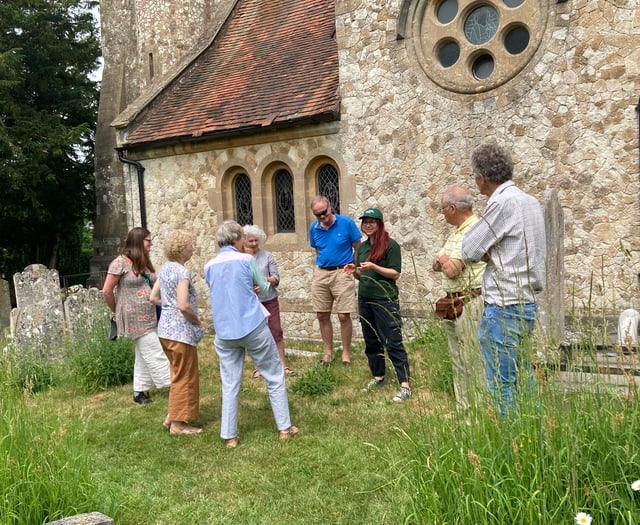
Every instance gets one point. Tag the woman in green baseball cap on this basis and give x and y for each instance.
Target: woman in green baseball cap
(377, 268)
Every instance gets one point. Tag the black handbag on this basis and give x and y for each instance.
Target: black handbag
(113, 331)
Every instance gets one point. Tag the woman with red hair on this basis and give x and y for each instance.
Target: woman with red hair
(377, 268)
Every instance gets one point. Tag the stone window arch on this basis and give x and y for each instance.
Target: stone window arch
(473, 46)
(283, 202)
(233, 198)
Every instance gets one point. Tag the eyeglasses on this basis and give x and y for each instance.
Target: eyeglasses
(321, 213)
(148, 240)
(445, 208)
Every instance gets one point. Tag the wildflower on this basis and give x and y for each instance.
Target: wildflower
(583, 518)
(636, 485)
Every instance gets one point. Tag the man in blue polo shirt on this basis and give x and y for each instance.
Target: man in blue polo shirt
(335, 239)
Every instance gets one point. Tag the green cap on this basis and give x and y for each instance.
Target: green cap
(372, 213)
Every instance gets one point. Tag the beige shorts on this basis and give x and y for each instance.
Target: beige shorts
(331, 288)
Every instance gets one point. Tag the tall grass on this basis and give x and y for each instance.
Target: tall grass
(96, 363)
(564, 451)
(45, 469)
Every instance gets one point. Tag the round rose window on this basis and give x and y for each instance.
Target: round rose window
(471, 46)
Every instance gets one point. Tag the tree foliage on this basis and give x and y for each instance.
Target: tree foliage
(48, 112)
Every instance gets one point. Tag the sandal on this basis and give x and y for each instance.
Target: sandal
(179, 428)
(232, 442)
(346, 364)
(256, 374)
(327, 359)
(288, 371)
(288, 433)
(166, 423)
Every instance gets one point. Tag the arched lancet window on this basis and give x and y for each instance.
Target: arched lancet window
(242, 198)
(283, 197)
(327, 181)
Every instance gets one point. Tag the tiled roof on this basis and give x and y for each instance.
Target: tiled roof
(273, 63)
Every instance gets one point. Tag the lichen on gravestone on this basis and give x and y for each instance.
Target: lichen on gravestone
(38, 319)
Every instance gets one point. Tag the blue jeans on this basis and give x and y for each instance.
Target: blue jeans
(502, 333)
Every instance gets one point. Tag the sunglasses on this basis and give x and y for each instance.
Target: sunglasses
(321, 213)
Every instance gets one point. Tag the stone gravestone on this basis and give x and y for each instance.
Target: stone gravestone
(552, 299)
(91, 518)
(5, 307)
(83, 308)
(38, 320)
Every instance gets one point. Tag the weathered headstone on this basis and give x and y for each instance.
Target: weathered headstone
(83, 308)
(91, 518)
(5, 307)
(38, 320)
(552, 299)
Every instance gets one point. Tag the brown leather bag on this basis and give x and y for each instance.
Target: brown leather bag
(450, 306)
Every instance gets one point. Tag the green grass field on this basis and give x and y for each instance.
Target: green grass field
(359, 459)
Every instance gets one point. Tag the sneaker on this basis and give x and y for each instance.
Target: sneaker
(403, 395)
(141, 398)
(373, 384)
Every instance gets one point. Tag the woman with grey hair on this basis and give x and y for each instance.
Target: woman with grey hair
(240, 323)
(254, 238)
(179, 330)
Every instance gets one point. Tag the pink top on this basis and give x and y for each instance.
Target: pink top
(135, 314)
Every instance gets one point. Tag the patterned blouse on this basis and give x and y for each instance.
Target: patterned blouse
(135, 314)
(173, 324)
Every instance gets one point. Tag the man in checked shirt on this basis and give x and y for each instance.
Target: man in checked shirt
(510, 238)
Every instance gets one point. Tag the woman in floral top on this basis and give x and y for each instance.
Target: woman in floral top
(179, 330)
(126, 291)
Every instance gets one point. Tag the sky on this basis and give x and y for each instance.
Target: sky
(97, 74)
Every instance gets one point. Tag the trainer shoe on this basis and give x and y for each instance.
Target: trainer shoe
(403, 395)
(142, 398)
(374, 383)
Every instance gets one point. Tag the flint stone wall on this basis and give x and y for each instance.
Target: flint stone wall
(187, 204)
(569, 119)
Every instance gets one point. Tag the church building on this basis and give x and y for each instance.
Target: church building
(245, 109)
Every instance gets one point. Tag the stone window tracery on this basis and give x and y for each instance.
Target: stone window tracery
(268, 196)
(472, 46)
(328, 185)
(242, 199)
(283, 202)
